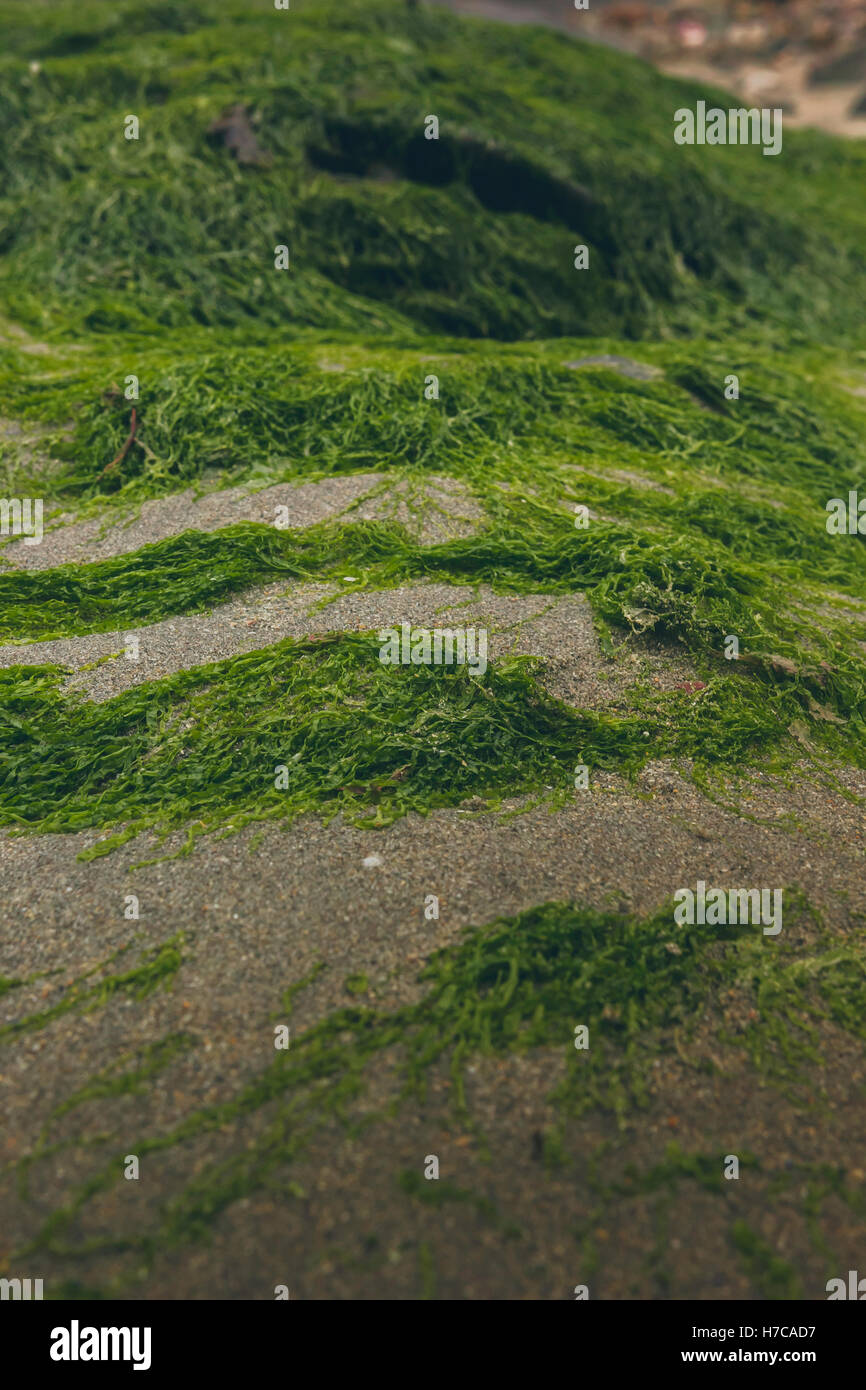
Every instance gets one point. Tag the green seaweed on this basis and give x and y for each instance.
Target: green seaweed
(412, 258)
(516, 985)
(389, 232)
(774, 1276)
(115, 1080)
(204, 749)
(156, 970)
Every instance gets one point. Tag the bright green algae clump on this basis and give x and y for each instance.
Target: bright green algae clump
(156, 257)
(350, 734)
(323, 726)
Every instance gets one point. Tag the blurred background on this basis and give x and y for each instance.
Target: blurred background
(807, 56)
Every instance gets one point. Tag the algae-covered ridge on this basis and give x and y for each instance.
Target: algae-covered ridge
(704, 524)
(155, 259)
(391, 233)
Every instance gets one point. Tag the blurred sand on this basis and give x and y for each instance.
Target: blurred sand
(768, 52)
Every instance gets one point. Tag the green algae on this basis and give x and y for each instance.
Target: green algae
(708, 514)
(763, 1186)
(129, 1074)
(716, 528)
(520, 985)
(160, 256)
(772, 1275)
(156, 970)
(204, 748)
(442, 1191)
(390, 233)
(280, 408)
(426, 1270)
